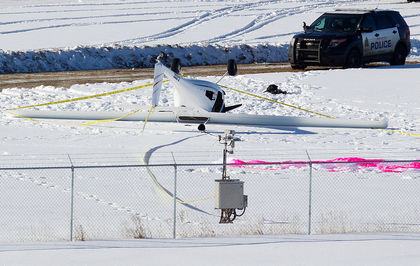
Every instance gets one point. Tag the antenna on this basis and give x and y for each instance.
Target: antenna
(224, 75)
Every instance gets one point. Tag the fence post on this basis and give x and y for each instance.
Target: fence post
(310, 195)
(72, 200)
(175, 179)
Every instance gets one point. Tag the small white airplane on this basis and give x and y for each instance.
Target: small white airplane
(199, 102)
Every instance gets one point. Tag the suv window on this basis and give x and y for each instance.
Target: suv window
(369, 23)
(397, 18)
(383, 21)
(336, 23)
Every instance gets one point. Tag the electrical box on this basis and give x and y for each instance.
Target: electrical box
(230, 194)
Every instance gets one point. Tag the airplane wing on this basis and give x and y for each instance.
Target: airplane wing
(196, 116)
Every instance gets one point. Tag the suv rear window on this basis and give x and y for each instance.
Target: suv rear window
(397, 18)
(383, 21)
(336, 23)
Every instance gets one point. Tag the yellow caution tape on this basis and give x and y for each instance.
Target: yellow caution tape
(195, 201)
(150, 84)
(267, 99)
(33, 119)
(108, 120)
(86, 97)
(80, 124)
(264, 98)
(401, 132)
(169, 194)
(147, 117)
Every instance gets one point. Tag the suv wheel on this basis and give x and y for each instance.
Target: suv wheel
(399, 56)
(353, 59)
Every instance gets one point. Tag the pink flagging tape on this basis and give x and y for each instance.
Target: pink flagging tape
(355, 163)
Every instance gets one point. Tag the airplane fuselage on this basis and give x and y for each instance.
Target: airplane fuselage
(195, 93)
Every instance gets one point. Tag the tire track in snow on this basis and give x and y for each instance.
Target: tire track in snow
(209, 15)
(83, 24)
(82, 7)
(67, 18)
(97, 4)
(270, 17)
(204, 18)
(40, 20)
(257, 23)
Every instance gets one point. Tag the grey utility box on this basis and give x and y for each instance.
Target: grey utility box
(229, 194)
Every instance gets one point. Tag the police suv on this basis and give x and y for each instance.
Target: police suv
(350, 38)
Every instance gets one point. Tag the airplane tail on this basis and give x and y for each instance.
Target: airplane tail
(157, 83)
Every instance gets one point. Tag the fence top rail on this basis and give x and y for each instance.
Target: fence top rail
(204, 164)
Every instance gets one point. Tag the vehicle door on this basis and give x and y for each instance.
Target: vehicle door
(368, 31)
(386, 35)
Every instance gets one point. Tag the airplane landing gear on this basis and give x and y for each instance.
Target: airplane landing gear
(201, 127)
(176, 65)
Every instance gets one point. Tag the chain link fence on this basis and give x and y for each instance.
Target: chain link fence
(165, 201)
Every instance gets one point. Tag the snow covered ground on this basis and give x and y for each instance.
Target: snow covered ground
(330, 250)
(60, 26)
(39, 36)
(353, 93)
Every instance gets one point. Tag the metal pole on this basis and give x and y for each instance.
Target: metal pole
(224, 175)
(72, 200)
(175, 186)
(175, 177)
(310, 195)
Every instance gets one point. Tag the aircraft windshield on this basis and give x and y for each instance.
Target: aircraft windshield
(336, 23)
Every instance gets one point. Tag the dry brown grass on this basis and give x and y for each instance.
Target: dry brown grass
(67, 78)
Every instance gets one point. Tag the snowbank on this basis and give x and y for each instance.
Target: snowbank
(115, 56)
